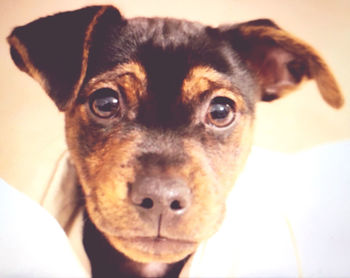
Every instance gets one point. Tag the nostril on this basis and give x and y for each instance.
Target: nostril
(160, 195)
(176, 205)
(147, 203)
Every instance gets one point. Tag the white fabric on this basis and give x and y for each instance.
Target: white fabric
(32, 244)
(287, 216)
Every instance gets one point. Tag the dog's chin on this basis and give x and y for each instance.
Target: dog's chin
(149, 249)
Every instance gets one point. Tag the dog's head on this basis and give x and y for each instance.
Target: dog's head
(159, 114)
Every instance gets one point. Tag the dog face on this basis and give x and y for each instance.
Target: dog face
(159, 114)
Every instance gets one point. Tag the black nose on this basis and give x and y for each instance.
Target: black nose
(158, 195)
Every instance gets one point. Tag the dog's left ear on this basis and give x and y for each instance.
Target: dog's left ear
(280, 61)
(54, 50)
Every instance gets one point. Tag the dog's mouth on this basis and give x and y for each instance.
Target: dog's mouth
(159, 244)
(159, 248)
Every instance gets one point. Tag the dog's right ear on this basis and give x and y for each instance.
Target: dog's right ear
(54, 50)
(280, 61)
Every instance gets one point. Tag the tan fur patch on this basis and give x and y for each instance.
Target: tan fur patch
(201, 79)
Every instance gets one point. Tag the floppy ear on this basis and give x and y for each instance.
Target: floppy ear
(280, 61)
(54, 50)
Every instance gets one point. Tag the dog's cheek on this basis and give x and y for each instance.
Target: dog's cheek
(103, 162)
(115, 214)
(207, 209)
(213, 171)
(228, 158)
(231, 158)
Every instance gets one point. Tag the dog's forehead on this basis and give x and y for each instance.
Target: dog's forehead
(165, 32)
(166, 40)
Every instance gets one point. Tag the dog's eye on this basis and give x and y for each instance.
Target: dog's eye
(104, 103)
(221, 112)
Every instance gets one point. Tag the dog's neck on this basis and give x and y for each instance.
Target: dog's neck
(106, 262)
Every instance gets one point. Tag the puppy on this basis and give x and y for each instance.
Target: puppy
(159, 115)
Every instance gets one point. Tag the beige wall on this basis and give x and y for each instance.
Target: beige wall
(31, 136)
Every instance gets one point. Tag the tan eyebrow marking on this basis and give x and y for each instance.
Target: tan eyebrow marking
(130, 76)
(132, 68)
(201, 79)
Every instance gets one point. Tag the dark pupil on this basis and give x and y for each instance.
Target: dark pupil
(106, 104)
(219, 111)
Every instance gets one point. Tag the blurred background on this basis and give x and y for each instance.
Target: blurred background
(31, 128)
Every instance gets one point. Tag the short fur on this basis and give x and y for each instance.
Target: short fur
(166, 73)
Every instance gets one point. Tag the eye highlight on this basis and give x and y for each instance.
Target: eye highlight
(104, 103)
(221, 112)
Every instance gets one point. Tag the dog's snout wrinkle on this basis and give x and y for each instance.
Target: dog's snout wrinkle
(154, 163)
